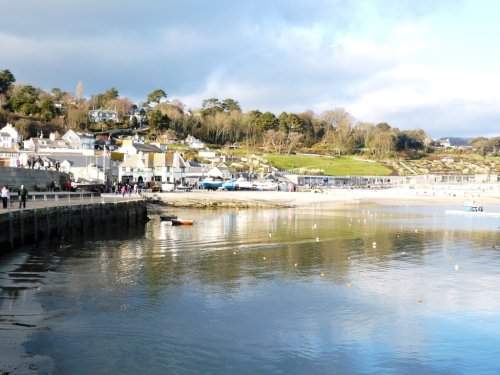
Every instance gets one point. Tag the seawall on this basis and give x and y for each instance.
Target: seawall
(32, 179)
(30, 226)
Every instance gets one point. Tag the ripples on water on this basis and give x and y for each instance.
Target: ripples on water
(360, 290)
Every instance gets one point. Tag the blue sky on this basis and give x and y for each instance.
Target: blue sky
(414, 64)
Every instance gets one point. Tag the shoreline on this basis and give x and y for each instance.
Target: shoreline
(327, 199)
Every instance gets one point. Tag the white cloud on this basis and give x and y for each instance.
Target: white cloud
(380, 63)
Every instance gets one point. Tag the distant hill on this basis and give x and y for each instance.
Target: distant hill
(456, 141)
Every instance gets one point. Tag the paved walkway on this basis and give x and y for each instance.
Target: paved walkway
(42, 200)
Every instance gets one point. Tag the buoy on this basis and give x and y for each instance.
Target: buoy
(322, 274)
(264, 258)
(349, 285)
(314, 226)
(270, 235)
(420, 300)
(234, 252)
(295, 264)
(457, 267)
(317, 239)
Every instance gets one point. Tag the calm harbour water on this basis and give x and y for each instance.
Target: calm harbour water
(360, 290)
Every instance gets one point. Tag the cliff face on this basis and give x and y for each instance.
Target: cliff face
(29, 226)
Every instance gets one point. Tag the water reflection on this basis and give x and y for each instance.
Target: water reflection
(364, 290)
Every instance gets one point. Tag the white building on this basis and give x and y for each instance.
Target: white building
(79, 140)
(134, 146)
(98, 115)
(220, 171)
(160, 168)
(194, 143)
(9, 137)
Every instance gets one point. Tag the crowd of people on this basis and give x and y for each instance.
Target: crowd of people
(35, 162)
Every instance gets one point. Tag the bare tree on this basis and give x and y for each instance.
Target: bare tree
(79, 91)
(277, 139)
(294, 140)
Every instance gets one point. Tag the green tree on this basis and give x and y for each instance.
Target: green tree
(156, 96)
(267, 121)
(134, 122)
(158, 121)
(58, 94)
(290, 122)
(105, 100)
(410, 140)
(48, 109)
(23, 99)
(229, 105)
(211, 106)
(6, 80)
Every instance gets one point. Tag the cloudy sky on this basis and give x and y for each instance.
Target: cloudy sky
(414, 64)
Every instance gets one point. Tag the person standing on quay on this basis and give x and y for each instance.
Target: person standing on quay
(23, 193)
(5, 196)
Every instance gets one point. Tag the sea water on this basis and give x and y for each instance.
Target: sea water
(357, 290)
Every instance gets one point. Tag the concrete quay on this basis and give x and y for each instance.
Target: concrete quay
(54, 216)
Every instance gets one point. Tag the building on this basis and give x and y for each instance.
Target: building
(46, 145)
(99, 115)
(194, 143)
(9, 137)
(159, 168)
(220, 171)
(91, 168)
(134, 146)
(79, 140)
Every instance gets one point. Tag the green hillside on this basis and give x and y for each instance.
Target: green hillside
(333, 166)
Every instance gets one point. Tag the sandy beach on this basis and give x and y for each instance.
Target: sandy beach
(448, 195)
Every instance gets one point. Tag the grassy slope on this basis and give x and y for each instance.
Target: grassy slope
(343, 166)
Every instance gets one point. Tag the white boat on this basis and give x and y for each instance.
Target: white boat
(472, 207)
(266, 185)
(472, 213)
(243, 184)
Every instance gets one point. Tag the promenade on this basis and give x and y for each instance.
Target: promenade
(53, 199)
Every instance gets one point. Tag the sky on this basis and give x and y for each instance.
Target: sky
(427, 64)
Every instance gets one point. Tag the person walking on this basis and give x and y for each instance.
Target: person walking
(5, 196)
(22, 193)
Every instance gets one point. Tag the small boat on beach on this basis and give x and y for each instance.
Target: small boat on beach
(168, 217)
(182, 222)
(211, 184)
(472, 209)
(472, 213)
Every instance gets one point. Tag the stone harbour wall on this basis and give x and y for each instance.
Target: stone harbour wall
(32, 179)
(30, 226)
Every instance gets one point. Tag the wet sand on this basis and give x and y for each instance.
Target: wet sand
(328, 198)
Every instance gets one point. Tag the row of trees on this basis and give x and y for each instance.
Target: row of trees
(218, 122)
